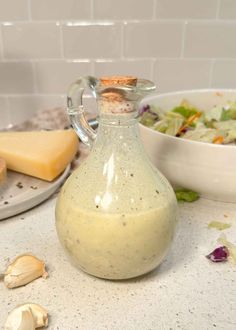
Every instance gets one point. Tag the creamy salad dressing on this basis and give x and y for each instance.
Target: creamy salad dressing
(115, 214)
(115, 246)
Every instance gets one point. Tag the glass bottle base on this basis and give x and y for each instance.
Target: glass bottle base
(117, 275)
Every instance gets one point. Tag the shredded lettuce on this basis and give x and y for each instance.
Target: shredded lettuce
(230, 136)
(229, 111)
(219, 225)
(186, 195)
(201, 134)
(148, 119)
(214, 114)
(185, 112)
(174, 126)
(161, 126)
(225, 125)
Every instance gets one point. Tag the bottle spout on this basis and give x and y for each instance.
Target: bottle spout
(114, 94)
(121, 94)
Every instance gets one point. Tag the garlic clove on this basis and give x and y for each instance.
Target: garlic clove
(39, 313)
(20, 320)
(23, 270)
(27, 321)
(35, 316)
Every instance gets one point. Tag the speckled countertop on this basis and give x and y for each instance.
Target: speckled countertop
(186, 292)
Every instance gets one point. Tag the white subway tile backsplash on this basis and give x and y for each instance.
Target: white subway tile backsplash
(4, 113)
(22, 110)
(139, 68)
(16, 77)
(92, 40)
(123, 9)
(13, 10)
(227, 9)
(3, 103)
(181, 74)
(210, 39)
(186, 9)
(153, 39)
(47, 44)
(54, 77)
(31, 40)
(60, 10)
(28, 104)
(16, 109)
(223, 75)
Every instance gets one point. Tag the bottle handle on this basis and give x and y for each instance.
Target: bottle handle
(75, 108)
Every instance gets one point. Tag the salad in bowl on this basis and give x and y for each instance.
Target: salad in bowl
(191, 137)
(215, 125)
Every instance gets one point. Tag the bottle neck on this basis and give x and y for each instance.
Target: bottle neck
(115, 106)
(119, 132)
(118, 120)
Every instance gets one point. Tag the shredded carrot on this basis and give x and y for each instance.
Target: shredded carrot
(193, 117)
(189, 121)
(218, 139)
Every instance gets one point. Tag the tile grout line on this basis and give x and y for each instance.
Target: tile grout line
(122, 40)
(1, 41)
(110, 60)
(44, 59)
(211, 72)
(153, 62)
(84, 22)
(16, 95)
(62, 50)
(36, 94)
(218, 9)
(128, 59)
(92, 63)
(89, 22)
(8, 106)
(35, 83)
(154, 15)
(183, 39)
(91, 9)
(29, 11)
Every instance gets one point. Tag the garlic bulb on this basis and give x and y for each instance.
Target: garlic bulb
(23, 270)
(27, 317)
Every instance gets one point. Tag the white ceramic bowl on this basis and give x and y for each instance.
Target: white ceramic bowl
(203, 167)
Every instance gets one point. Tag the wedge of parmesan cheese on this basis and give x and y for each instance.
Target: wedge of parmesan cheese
(3, 171)
(42, 154)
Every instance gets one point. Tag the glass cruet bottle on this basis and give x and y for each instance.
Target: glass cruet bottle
(116, 213)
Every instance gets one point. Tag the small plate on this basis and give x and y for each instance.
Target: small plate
(22, 192)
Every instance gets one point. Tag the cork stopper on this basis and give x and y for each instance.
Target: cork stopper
(118, 80)
(113, 99)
